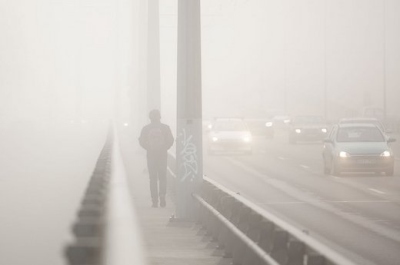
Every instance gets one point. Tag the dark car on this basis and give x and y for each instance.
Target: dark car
(357, 148)
(261, 127)
(307, 128)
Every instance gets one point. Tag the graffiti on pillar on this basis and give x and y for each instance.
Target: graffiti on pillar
(188, 156)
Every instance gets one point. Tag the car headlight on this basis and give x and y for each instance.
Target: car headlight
(126, 124)
(247, 138)
(324, 130)
(286, 121)
(386, 154)
(214, 139)
(268, 124)
(343, 154)
(297, 131)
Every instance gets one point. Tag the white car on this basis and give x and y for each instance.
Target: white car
(230, 135)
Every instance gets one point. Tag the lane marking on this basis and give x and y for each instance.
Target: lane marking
(275, 203)
(305, 167)
(302, 202)
(360, 201)
(377, 191)
(281, 158)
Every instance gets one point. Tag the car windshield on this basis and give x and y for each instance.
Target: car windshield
(308, 120)
(230, 126)
(360, 134)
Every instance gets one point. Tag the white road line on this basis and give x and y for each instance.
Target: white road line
(377, 191)
(305, 167)
(359, 201)
(275, 203)
(281, 158)
(302, 202)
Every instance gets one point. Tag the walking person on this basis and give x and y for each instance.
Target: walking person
(157, 138)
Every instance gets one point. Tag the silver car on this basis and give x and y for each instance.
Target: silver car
(357, 148)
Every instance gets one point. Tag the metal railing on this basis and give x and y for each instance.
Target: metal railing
(251, 235)
(106, 231)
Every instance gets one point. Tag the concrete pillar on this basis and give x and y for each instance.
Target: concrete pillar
(189, 155)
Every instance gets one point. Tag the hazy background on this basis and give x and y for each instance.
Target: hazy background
(83, 62)
(73, 59)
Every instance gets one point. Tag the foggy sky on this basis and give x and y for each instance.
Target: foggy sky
(72, 58)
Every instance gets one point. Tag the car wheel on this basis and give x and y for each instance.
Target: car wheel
(389, 172)
(335, 171)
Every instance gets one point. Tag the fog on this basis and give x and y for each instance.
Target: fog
(69, 59)
(84, 62)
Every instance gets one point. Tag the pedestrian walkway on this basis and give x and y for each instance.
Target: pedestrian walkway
(165, 242)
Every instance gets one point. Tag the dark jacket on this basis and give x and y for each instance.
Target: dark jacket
(164, 139)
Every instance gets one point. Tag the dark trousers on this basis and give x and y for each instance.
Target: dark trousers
(157, 165)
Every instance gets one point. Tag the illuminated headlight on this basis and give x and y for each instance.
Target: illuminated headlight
(214, 139)
(286, 121)
(297, 131)
(386, 154)
(343, 154)
(268, 124)
(324, 130)
(126, 124)
(209, 126)
(247, 138)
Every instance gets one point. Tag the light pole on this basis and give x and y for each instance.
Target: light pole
(384, 63)
(153, 55)
(325, 62)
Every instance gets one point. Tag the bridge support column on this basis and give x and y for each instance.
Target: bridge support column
(189, 155)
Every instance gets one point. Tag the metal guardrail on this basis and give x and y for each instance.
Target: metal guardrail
(106, 231)
(252, 235)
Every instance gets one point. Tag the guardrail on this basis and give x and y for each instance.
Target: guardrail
(106, 231)
(251, 235)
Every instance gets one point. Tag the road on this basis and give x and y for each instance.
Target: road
(45, 168)
(357, 214)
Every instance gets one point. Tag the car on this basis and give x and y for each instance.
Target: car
(307, 128)
(280, 122)
(357, 148)
(260, 127)
(229, 135)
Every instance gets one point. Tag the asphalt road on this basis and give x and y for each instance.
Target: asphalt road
(356, 214)
(44, 169)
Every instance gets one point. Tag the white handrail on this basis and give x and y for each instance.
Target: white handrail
(123, 239)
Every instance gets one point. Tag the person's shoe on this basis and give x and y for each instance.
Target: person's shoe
(163, 203)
